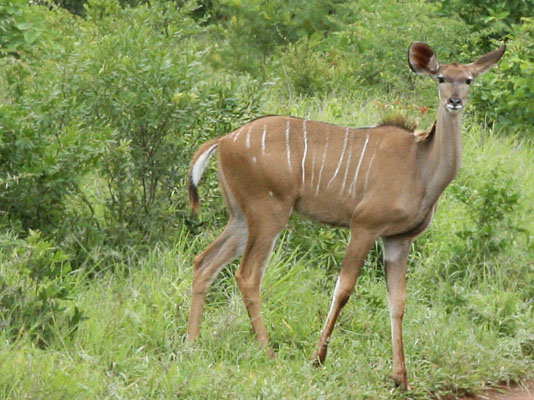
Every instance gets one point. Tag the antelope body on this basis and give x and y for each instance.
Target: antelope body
(381, 182)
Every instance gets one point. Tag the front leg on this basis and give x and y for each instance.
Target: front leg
(396, 254)
(359, 245)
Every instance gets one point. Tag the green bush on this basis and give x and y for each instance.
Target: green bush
(491, 198)
(306, 68)
(36, 287)
(120, 104)
(365, 51)
(252, 30)
(148, 84)
(488, 20)
(20, 27)
(44, 149)
(507, 94)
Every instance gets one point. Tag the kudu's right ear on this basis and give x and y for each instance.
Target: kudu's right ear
(422, 59)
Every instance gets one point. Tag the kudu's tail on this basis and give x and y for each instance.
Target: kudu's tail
(198, 166)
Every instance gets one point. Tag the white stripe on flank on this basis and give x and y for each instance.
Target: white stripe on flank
(248, 136)
(369, 167)
(341, 159)
(324, 159)
(313, 165)
(305, 149)
(348, 165)
(236, 135)
(353, 186)
(288, 149)
(263, 139)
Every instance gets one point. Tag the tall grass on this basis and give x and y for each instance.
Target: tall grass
(466, 327)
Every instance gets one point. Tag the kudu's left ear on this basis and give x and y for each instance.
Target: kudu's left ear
(486, 61)
(422, 59)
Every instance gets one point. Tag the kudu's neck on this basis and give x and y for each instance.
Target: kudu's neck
(442, 156)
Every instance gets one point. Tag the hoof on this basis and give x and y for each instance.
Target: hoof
(318, 358)
(270, 353)
(401, 381)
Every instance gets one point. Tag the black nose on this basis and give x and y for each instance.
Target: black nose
(455, 101)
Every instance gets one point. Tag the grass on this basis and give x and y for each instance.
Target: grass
(132, 346)
(466, 326)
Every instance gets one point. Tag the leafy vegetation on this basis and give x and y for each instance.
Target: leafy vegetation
(507, 96)
(102, 104)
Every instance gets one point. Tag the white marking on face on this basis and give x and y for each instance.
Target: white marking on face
(369, 167)
(248, 136)
(305, 135)
(236, 135)
(452, 108)
(324, 159)
(288, 148)
(353, 185)
(270, 193)
(348, 165)
(254, 159)
(263, 139)
(341, 158)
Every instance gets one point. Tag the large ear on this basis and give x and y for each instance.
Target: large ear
(422, 59)
(486, 61)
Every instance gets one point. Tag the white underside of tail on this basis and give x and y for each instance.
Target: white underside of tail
(200, 164)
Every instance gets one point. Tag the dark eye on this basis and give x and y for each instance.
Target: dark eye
(441, 79)
(469, 81)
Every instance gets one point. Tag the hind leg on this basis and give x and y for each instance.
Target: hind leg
(229, 245)
(264, 228)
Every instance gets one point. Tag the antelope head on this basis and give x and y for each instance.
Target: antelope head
(454, 79)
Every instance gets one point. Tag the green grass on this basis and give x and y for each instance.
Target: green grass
(466, 327)
(132, 343)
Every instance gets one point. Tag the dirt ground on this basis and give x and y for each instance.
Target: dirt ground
(507, 393)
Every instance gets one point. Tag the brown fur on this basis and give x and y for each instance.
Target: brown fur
(426, 134)
(382, 182)
(193, 195)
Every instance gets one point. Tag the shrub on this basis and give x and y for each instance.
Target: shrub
(365, 50)
(491, 198)
(20, 27)
(507, 94)
(147, 83)
(119, 104)
(489, 20)
(44, 150)
(306, 68)
(36, 288)
(253, 30)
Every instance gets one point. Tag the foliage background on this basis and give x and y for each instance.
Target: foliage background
(103, 102)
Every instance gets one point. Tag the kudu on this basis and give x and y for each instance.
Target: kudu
(381, 182)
